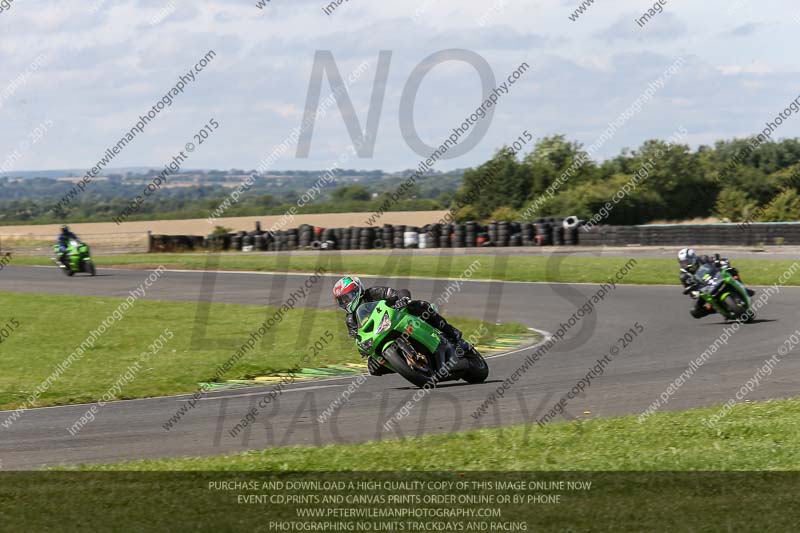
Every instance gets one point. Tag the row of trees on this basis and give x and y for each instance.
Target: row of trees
(730, 181)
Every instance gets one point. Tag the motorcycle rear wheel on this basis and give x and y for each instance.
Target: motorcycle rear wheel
(478, 370)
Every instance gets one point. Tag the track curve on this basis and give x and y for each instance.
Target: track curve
(133, 429)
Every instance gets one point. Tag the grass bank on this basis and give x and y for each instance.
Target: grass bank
(753, 436)
(555, 268)
(47, 329)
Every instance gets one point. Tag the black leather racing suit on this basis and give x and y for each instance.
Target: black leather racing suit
(688, 279)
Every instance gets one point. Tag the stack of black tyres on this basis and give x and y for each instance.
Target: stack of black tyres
(247, 240)
(433, 233)
(258, 241)
(571, 225)
(353, 232)
(444, 235)
(528, 234)
(397, 235)
(293, 239)
(515, 234)
(471, 231)
(387, 236)
(342, 239)
(236, 241)
(305, 235)
(503, 233)
(492, 231)
(328, 236)
(557, 225)
(366, 239)
(459, 236)
(277, 237)
(283, 244)
(378, 241)
(544, 233)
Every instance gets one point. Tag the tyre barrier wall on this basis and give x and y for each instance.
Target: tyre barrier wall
(542, 232)
(175, 243)
(568, 231)
(755, 234)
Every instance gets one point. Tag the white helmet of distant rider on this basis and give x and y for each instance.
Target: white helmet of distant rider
(688, 260)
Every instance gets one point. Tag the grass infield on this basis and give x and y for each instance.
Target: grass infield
(47, 329)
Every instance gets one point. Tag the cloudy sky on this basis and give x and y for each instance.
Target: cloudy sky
(105, 62)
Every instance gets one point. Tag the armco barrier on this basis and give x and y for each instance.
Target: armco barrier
(756, 234)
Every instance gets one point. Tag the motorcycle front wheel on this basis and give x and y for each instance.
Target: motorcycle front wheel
(737, 305)
(398, 362)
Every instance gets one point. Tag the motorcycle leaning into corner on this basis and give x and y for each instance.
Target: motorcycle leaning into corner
(723, 292)
(76, 258)
(412, 348)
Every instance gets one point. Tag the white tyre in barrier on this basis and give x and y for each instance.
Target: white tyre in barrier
(571, 222)
(410, 239)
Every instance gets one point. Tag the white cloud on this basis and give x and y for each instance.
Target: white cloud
(106, 68)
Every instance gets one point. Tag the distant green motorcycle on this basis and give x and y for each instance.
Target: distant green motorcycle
(76, 259)
(413, 348)
(723, 292)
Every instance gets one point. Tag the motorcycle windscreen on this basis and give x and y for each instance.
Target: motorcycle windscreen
(704, 271)
(364, 311)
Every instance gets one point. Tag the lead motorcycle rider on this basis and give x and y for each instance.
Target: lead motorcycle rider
(61, 241)
(349, 293)
(689, 264)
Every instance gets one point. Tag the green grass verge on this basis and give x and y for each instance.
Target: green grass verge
(52, 327)
(556, 268)
(753, 436)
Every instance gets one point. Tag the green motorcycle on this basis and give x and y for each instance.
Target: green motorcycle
(413, 348)
(723, 292)
(76, 259)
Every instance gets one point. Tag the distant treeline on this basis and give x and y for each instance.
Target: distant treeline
(736, 180)
(31, 200)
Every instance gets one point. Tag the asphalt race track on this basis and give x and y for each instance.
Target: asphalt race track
(632, 381)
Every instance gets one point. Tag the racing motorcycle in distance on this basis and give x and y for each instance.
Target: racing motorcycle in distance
(76, 259)
(723, 292)
(413, 348)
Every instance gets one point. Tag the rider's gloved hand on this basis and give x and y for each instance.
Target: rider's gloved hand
(401, 303)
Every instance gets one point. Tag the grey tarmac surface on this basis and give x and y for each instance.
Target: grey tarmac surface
(634, 379)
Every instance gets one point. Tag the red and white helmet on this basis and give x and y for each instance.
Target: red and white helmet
(348, 292)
